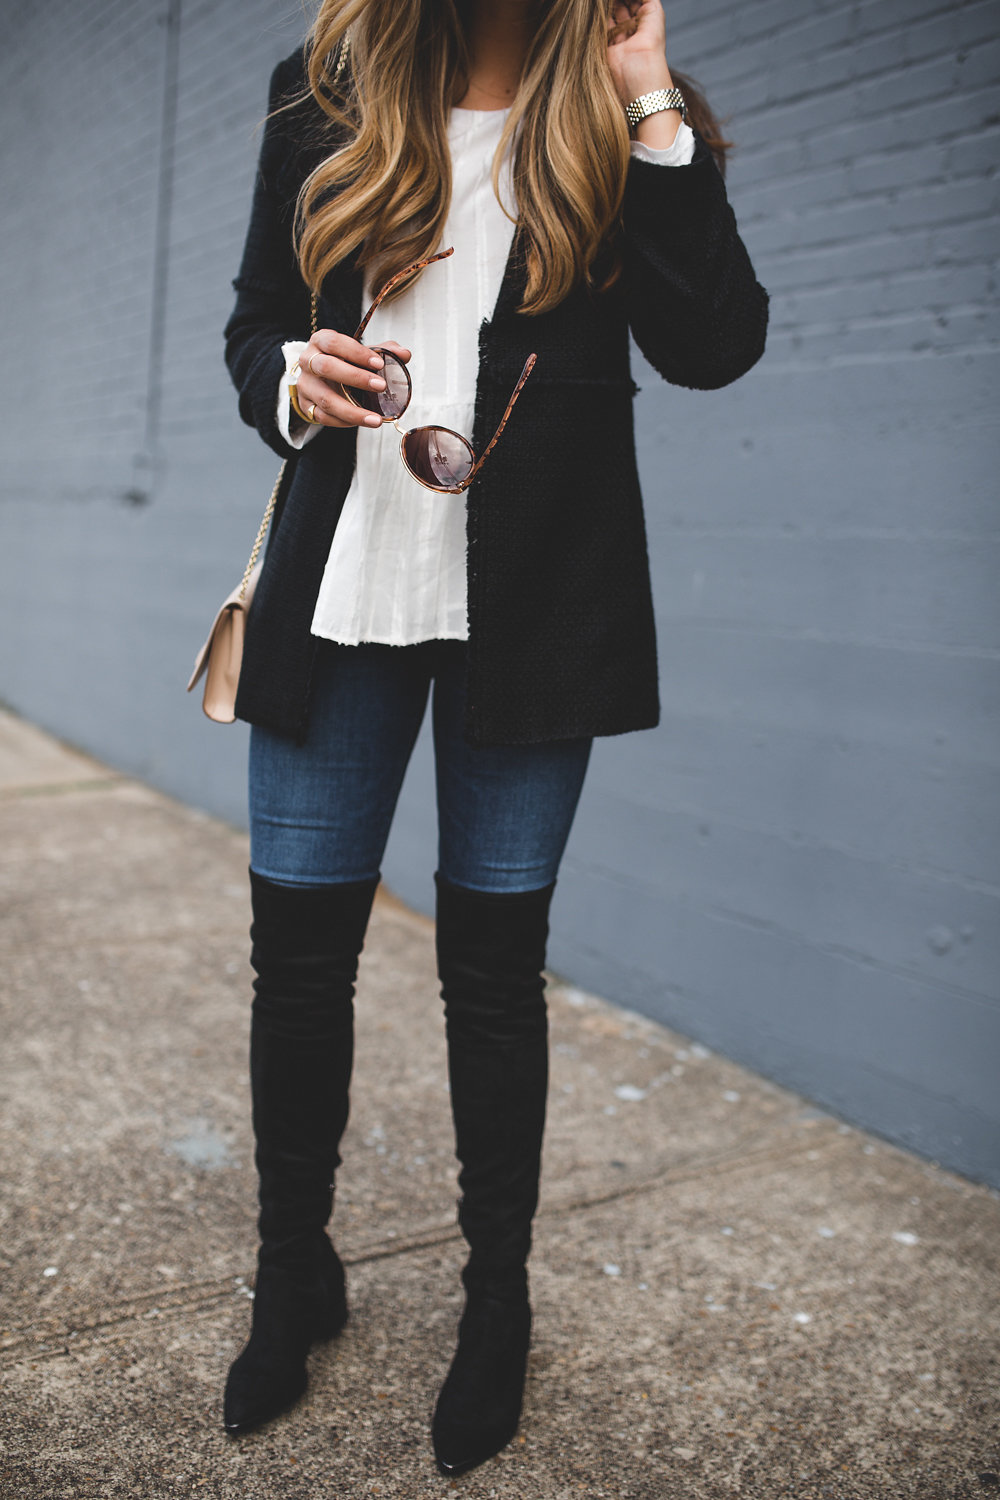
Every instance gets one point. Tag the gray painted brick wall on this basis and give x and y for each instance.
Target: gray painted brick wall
(800, 866)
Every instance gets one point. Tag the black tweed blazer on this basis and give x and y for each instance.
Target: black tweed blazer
(561, 634)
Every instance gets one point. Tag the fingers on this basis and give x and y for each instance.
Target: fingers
(331, 361)
(327, 342)
(623, 21)
(325, 403)
(342, 346)
(401, 352)
(335, 357)
(636, 18)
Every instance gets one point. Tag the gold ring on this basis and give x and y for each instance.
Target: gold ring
(311, 413)
(311, 370)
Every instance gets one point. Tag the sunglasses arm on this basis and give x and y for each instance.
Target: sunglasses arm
(418, 265)
(529, 365)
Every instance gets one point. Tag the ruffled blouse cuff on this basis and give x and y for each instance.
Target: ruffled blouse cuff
(294, 431)
(679, 153)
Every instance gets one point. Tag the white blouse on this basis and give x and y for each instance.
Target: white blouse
(396, 572)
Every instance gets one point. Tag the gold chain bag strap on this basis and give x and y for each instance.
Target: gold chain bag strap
(221, 657)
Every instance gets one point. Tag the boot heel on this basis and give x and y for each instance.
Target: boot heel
(333, 1315)
(331, 1321)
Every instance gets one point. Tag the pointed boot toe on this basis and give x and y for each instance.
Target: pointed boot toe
(260, 1386)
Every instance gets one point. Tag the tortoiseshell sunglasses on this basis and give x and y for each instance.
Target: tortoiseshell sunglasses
(436, 457)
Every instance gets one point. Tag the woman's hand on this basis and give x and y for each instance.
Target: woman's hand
(636, 48)
(330, 361)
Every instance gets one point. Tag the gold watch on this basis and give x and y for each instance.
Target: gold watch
(653, 103)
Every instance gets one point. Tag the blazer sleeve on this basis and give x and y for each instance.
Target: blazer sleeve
(272, 300)
(695, 307)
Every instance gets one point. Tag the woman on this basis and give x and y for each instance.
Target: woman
(513, 577)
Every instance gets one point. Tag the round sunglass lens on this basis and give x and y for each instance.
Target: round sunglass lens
(437, 457)
(393, 401)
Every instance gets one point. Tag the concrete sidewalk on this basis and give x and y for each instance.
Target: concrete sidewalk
(735, 1294)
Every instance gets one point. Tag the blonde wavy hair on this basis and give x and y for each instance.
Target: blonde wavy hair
(386, 73)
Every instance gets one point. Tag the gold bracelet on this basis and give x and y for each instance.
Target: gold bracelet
(293, 396)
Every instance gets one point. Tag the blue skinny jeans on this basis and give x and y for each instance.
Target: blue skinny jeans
(320, 811)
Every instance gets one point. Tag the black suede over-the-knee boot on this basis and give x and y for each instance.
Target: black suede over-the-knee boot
(306, 942)
(491, 953)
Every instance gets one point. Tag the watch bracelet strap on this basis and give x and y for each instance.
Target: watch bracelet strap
(652, 103)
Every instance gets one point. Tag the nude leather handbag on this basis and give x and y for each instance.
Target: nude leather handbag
(221, 657)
